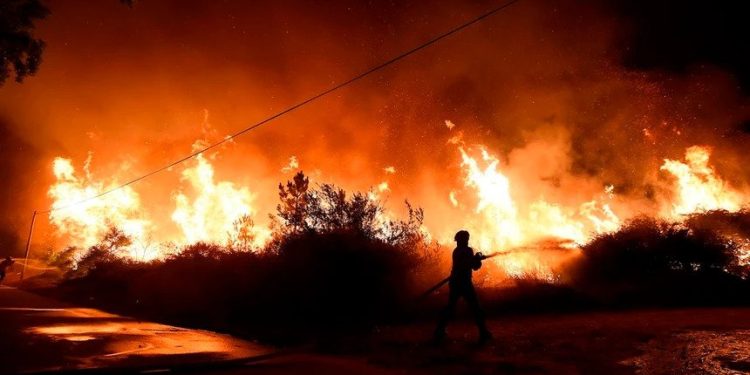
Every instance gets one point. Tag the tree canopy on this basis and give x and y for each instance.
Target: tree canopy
(20, 50)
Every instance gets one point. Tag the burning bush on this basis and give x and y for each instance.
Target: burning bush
(658, 262)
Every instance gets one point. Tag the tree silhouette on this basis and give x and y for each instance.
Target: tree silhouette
(112, 245)
(20, 51)
(329, 209)
(294, 203)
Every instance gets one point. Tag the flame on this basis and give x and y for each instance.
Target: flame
(211, 210)
(503, 223)
(495, 204)
(86, 223)
(212, 213)
(698, 186)
(292, 166)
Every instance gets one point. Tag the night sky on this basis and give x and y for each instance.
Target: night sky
(136, 86)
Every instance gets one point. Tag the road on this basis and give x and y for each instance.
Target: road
(40, 334)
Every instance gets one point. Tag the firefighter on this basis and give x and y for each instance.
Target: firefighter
(464, 263)
(4, 266)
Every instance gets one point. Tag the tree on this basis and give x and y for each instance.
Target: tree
(292, 211)
(113, 244)
(20, 51)
(329, 209)
(242, 236)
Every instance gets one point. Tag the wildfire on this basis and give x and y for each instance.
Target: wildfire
(215, 209)
(698, 186)
(86, 223)
(505, 224)
(221, 211)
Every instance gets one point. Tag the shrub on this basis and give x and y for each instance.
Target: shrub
(658, 262)
(335, 265)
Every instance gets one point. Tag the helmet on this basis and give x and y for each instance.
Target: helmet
(461, 236)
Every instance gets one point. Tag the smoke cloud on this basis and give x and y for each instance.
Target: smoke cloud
(548, 87)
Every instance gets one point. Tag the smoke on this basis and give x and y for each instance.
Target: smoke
(541, 85)
(18, 157)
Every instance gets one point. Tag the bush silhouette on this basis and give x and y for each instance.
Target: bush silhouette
(335, 265)
(657, 262)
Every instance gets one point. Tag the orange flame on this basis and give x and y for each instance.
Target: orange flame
(86, 223)
(504, 224)
(216, 206)
(210, 210)
(698, 186)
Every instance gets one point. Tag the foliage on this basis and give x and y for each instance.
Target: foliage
(20, 51)
(655, 261)
(328, 209)
(200, 251)
(65, 258)
(292, 211)
(113, 243)
(336, 265)
(242, 236)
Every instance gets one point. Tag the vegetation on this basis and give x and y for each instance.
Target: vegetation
(336, 265)
(654, 262)
(20, 51)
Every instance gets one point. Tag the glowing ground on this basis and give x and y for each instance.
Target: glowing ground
(40, 334)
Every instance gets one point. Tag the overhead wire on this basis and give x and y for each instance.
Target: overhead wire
(302, 103)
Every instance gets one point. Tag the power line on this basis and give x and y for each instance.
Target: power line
(313, 98)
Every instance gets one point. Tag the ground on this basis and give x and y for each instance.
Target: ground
(687, 341)
(43, 334)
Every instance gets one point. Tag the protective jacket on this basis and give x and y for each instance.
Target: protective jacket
(464, 262)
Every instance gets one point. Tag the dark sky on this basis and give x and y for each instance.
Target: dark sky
(131, 85)
(675, 35)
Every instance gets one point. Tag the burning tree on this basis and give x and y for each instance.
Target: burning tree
(242, 237)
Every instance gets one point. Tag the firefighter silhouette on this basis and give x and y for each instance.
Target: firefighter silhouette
(465, 261)
(4, 266)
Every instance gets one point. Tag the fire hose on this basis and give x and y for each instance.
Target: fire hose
(480, 256)
(35, 267)
(483, 257)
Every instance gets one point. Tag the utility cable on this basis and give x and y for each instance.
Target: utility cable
(311, 99)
